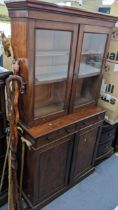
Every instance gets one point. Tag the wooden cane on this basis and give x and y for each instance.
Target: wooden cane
(13, 84)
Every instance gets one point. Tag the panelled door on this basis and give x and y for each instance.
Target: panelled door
(92, 49)
(83, 153)
(53, 58)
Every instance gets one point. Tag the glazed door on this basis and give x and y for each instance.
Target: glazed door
(91, 53)
(84, 148)
(55, 45)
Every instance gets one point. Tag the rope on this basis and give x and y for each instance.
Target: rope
(9, 157)
(29, 145)
(27, 142)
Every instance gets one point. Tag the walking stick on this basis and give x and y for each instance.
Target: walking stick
(14, 85)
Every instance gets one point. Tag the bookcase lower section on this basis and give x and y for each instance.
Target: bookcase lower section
(60, 159)
(54, 196)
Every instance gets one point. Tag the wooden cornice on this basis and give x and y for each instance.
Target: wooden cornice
(27, 5)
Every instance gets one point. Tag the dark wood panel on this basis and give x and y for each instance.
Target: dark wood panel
(50, 169)
(47, 165)
(19, 30)
(83, 153)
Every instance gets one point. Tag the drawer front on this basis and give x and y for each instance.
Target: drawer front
(50, 138)
(94, 119)
(103, 148)
(56, 135)
(90, 121)
(70, 129)
(106, 136)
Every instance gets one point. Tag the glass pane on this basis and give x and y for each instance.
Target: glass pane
(92, 53)
(51, 70)
(86, 90)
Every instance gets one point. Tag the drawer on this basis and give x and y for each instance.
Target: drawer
(56, 135)
(90, 121)
(106, 136)
(70, 128)
(102, 148)
(2, 124)
(2, 146)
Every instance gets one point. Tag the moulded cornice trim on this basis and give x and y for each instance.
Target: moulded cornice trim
(14, 5)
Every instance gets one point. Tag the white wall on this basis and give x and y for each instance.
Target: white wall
(6, 27)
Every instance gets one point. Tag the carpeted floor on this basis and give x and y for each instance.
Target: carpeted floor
(99, 191)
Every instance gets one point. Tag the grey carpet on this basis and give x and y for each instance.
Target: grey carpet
(99, 191)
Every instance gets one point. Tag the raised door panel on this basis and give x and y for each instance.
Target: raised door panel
(50, 170)
(53, 166)
(83, 153)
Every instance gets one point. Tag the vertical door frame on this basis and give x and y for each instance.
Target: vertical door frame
(50, 25)
(88, 29)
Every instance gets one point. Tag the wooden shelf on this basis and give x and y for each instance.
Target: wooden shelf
(91, 53)
(49, 81)
(51, 53)
(51, 77)
(82, 101)
(88, 75)
(87, 70)
(47, 110)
